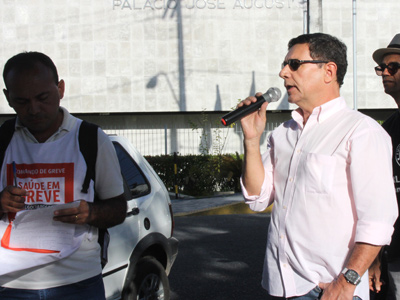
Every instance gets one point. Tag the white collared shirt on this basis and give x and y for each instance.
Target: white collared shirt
(67, 125)
(331, 185)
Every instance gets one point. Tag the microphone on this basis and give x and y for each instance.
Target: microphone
(272, 95)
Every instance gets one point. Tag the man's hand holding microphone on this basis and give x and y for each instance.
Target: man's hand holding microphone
(252, 113)
(247, 107)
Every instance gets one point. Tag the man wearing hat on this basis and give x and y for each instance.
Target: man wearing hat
(388, 60)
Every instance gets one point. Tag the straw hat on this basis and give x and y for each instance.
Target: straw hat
(392, 48)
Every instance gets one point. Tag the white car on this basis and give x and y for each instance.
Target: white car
(141, 250)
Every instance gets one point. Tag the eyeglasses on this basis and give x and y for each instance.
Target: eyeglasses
(294, 64)
(392, 68)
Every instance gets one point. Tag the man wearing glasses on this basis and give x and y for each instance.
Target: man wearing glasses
(334, 200)
(388, 60)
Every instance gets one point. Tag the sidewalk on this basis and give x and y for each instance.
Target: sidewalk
(226, 204)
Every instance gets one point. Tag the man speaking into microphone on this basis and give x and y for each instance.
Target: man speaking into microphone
(328, 172)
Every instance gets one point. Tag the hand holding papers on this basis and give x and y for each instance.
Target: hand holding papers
(36, 239)
(36, 229)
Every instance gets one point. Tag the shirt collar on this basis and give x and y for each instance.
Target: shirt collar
(322, 112)
(66, 125)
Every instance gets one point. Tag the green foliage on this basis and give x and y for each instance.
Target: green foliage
(211, 134)
(199, 175)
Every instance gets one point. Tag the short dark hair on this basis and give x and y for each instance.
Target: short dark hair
(325, 47)
(27, 61)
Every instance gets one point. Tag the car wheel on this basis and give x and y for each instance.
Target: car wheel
(150, 283)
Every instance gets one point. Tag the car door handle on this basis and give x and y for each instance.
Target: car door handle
(135, 211)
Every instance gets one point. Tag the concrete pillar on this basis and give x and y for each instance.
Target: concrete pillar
(315, 16)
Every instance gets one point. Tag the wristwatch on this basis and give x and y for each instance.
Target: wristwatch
(351, 276)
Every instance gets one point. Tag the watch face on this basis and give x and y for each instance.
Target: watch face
(352, 276)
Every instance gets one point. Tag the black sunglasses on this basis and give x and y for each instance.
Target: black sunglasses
(294, 64)
(392, 68)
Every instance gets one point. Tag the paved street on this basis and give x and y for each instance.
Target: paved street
(220, 257)
(193, 205)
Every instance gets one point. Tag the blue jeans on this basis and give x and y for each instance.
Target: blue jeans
(88, 289)
(314, 294)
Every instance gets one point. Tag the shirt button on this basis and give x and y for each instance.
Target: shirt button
(290, 179)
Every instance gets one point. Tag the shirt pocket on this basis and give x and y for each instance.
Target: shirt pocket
(319, 173)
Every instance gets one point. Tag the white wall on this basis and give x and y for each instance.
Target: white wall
(174, 62)
(150, 56)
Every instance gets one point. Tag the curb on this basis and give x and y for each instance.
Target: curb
(228, 209)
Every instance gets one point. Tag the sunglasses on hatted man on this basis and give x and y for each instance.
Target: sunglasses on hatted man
(392, 68)
(294, 64)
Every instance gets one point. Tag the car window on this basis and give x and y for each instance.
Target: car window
(131, 172)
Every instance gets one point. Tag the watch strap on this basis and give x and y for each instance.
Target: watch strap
(354, 281)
